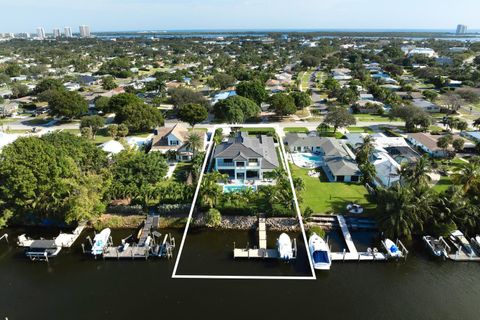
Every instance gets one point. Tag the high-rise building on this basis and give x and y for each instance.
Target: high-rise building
(84, 31)
(40, 33)
(461, 29)
(67, 31)
(56, 33)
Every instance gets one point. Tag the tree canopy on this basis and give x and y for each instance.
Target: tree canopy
(139, 117)
(236, 109)
(254, 90)
(192, 113)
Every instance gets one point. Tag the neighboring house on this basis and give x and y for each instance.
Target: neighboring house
(428, 143)
(367, 106)
(86, 80)
(223, 95)
(71, 86)
(8, 109)
(472, 135)
(175, 139)
(246, 157)
(426, 105)
(339, 161)
(301, 142)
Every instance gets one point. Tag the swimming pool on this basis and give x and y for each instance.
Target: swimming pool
(237, 188)
(307, 160)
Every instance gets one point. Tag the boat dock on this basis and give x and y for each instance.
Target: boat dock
(261, 252)
(352, 254)
(461, 255)
(146, 245)
(64, 240)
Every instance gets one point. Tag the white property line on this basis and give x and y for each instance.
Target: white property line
(195, 196)
(220, 277)
(295, 199)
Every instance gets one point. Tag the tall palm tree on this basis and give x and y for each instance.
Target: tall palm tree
(368, 172)
(417, 174)
(468, 176)
(403, 210)
(194, 141)
(365, 151)
(211, 191)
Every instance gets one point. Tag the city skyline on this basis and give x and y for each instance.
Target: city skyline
(27, 15)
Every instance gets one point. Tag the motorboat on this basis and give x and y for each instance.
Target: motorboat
(100, 241)
(42, 249)
(458, 235)
(438, 247)
(320, 252)
(284, 246)
(476, 242)
(355, 208)
(392, 249)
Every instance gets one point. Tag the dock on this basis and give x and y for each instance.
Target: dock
(64, 240)
(352, 254)
(145, 246)
(461, 255)
(261, 252)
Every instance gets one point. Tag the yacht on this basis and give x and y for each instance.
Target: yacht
(320, 252)
(100, 241)
(284, 246)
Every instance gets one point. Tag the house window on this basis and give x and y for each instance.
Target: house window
(240, 164)
(227, 160)
(174, 142)
(354, 178)
(340, 178)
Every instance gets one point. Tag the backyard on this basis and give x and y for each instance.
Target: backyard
(330, 197)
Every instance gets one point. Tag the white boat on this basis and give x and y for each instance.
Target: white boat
(437, 247)
(476, 241)
(458, 235)
(100, 241)
(393, 250)
(320, 252)
(42, 249)
(284, 246)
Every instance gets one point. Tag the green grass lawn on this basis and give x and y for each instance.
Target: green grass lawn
(181, 171)
(331, 197)
(7, 120)
(296, 130)
(443, 184)
(360, 129)
(330, 134)
(38, 121)
(258, 130)
(373, 118)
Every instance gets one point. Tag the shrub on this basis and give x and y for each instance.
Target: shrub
(316, 229)
(213, 218)
(307, 213)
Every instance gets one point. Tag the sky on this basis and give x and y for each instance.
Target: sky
(123, 15)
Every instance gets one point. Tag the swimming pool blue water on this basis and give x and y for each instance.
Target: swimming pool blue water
(237, 188)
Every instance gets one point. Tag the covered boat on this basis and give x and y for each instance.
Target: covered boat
(320, 252)
(42, 249)
(438, 247)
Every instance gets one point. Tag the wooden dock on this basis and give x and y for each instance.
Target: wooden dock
(352, 254)
(145, 246)
(261, 252)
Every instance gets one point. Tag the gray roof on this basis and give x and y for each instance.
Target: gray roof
(301, 140)
(424, 104)
(337, 159)
(241, 147)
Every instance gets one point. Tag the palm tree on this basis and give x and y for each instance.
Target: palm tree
(476, 123)
(194, 141)
(403, 210)
(417, 174)
(211, 190)
(468, 176)
(365, 151)
(369, 172)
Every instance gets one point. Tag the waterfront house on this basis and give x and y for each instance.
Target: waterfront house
(246, 157)
(339, 162)
(176, 139)
(302, 142)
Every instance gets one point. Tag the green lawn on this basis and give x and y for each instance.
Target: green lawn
(181, 171)
(373, 118)
(331, 197)
(446, 181)
(360, 129)
(7, 120)
(258, 130)
(443, 184)
(296, 130)
(330, 134)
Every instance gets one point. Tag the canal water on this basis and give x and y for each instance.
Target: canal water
(74, 286)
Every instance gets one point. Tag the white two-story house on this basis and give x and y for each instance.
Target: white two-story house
(245, 157)
(176, 139)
